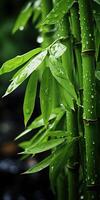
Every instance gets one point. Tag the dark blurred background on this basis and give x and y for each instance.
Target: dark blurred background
(13, 185)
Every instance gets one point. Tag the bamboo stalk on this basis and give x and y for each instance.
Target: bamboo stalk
(46, 6)
(73, 164)
(89, 100)
(75, 26)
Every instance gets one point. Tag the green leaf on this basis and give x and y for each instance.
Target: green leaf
(97, 74)
(59, 160)
(46, 94)
(60, 75)
(37, 138)
(66, 99)
(57, 49)
(36, 10)
(26, 71)
(57, 13)
(40, 166)
(23, 18)
(14, 63)
(38, 122)
(45, 146)
(30, 95)
(57, 134)
(97, 1)
(96, 13)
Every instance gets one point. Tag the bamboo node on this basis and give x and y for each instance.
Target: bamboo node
(93, 187)
(73, 166)
(90, 121)
(87, 52)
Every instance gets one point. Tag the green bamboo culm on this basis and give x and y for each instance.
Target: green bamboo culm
(89, 100)
(75, 27)
(72, 125)
(46, 6)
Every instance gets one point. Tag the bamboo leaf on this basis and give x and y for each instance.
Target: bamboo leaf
(97, 1)
(45, 146)
(40, 166)
(38, 122)
(96, 13)
(66, 99)
(60, 75)
(30, 95)
(46, 94)
(26, 71)
(59, 160)
(57, 49)
(57, 134)
(23, 18)
(97, 74)
(14, 63)
(57, 13)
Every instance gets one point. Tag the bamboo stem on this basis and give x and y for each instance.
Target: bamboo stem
(89, 100)
(73, 163)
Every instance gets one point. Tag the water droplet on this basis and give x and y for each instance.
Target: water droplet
(92, 96)
(90, 35)
(21, 28)
(82, 197)
(39, 39)
(93, 142)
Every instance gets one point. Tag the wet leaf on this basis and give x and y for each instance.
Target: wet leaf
(97, 1)
(26, 71)
(30, 95)
(97, 74)
(60, 75)
(59, 160)
(40, 166)
(96, 13)
(57, 49)
(23, 18)
(14, 63)
(38, 122)
(46, 94)
(57, 13)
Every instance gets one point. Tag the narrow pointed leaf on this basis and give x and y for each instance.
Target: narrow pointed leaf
(60, 159)
(44, 146)
(23, 17)
(57, 13)
(97, 1)
(57, 134)
(14, 63)
(60, 75)
(97, 74)
(57, 49)
(26, 71)
(40, 166)
(38, 122)
(46, 94)
(30, 95)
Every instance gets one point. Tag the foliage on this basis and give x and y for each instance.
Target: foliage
(67, 77)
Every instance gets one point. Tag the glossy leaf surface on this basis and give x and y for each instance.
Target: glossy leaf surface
(14, 63)
(30, 95)
(26, 71)
(46, 94)
(57, 49)
(23, 17)
(57, 13)
(44, 146)
(40, 166)
(60, 75)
